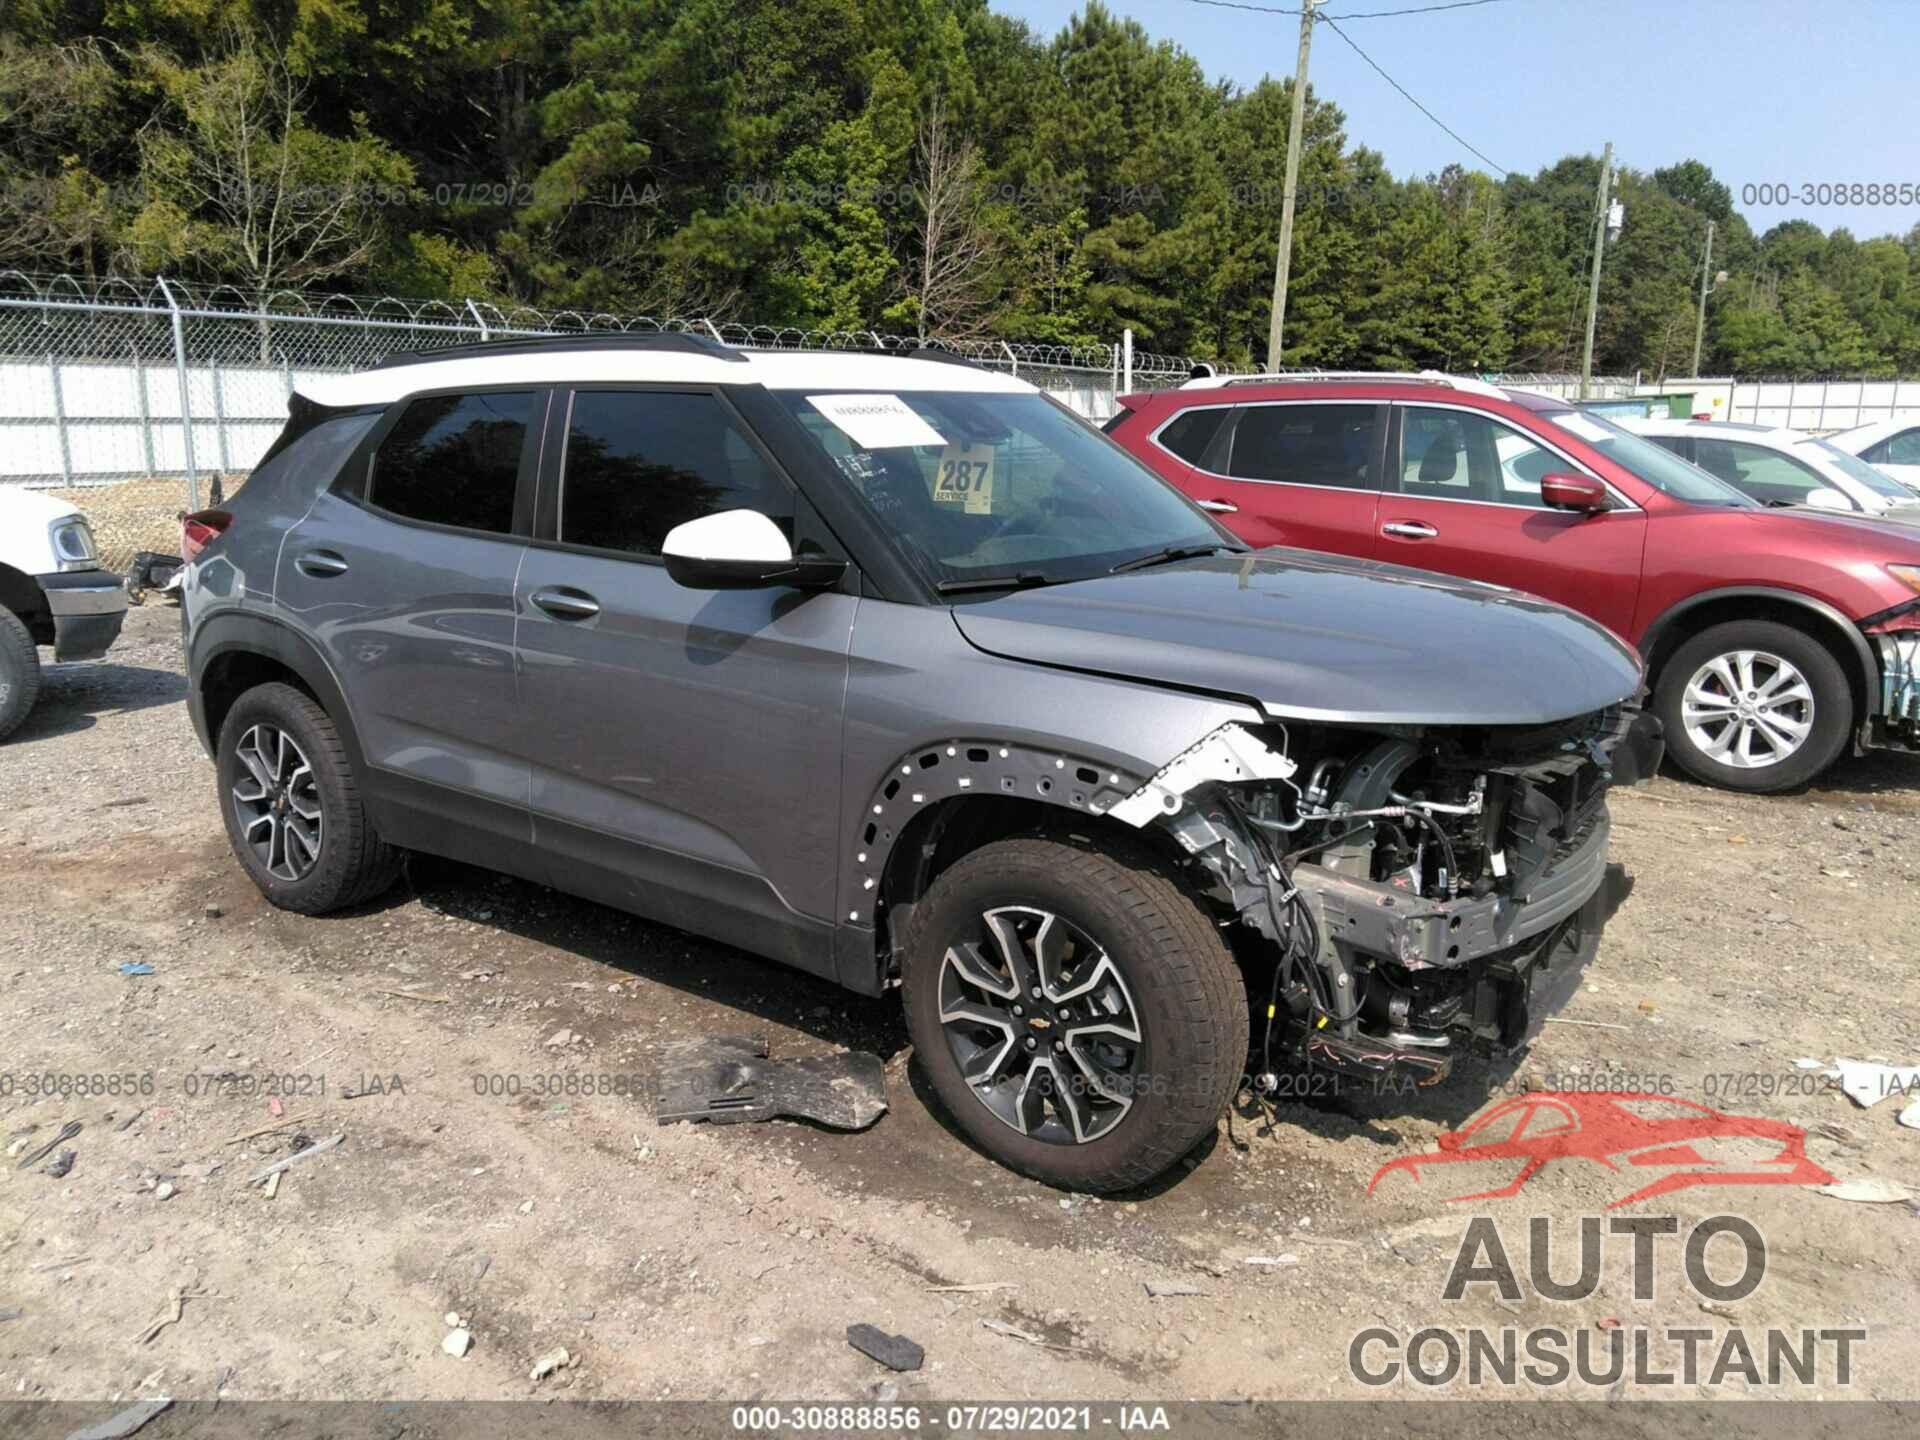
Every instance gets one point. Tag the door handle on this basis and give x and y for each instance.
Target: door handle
(565, 604)
(321, 564)
(1409, 530)
(1218, 507)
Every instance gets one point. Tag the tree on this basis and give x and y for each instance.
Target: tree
(952, 284)
(239, 185)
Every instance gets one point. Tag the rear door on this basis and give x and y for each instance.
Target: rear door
(404, 574)
(686, 743)
(1300, 473)
(1463, 497)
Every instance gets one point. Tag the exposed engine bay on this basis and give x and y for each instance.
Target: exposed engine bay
(1412, 895)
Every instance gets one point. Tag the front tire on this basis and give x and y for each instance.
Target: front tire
(293, 808)
(1754, 705)
(1077, 1012)
(19, 673)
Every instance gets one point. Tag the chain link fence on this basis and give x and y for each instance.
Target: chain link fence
(140, 400)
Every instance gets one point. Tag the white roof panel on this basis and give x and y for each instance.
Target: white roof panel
(811, 370)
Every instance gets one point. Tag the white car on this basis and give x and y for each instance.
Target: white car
(1784, 467)
(1890, 446)
(52, 592)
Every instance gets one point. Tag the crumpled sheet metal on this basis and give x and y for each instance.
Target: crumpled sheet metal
(729, 1080)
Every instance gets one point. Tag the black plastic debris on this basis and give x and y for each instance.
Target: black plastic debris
(729, 1080)
(896, 1352)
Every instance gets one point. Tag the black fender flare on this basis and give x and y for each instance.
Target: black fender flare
(1866, 668)
(241, 632)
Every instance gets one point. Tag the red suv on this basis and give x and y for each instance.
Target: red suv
(1773, 638)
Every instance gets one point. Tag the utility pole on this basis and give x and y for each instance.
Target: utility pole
(1599, 244)
(1283, 261)
(1706, 289)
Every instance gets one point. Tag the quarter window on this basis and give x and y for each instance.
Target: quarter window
(1457, 455)
(454, 460)
(1306, 444)
(1190, 433)
(640, 462)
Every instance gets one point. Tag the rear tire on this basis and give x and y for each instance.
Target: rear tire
(1753, 735)
(19, 673)
(292, 805)
(1071, 1100)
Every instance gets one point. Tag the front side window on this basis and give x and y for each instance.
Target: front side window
(1459, 455)
(1766, 475)
(640, 462)
(1825, 453)
(1306, 444)
(1901, 449)
(978, 487)
(454, 460)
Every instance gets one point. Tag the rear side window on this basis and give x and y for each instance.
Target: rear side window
(1901, 449)
(1189, 434)
(454, 460)
(641, 462)
(1766, 475)
(1306, 444)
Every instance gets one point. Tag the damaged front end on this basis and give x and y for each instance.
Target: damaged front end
(1416, 893)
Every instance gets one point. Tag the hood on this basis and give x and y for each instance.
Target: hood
(1316, 637)
(1894, 536)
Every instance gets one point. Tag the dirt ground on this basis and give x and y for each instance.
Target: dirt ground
(521, 1184)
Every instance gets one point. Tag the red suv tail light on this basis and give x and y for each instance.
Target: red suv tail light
(200, 529)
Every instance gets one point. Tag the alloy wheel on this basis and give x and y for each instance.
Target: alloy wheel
(278, 803)
(1042, 1025)
(1748, 709)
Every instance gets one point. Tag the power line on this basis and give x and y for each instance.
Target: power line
(1327, 20)
(1414, 10)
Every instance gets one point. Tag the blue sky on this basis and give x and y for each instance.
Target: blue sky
(1793, 92)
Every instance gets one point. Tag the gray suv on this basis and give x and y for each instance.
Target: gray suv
(891, 669)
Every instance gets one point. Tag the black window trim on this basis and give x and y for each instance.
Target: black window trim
(354, 483)
(1220, 448)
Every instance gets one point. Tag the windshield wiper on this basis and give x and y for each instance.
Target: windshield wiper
(1170, 554)
(1020, 581)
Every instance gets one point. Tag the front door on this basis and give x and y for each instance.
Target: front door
(686, 743)
(1463, 498)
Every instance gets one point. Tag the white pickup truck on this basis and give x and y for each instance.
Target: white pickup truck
(52, 592)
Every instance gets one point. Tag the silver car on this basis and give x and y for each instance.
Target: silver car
(894, 671)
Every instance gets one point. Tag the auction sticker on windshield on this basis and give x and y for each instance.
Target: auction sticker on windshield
(965, 478)
(877, 422)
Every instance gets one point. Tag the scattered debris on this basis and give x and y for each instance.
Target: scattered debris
(979, 1289)
(287, 1123)
(63, 1164)
(1161, 1289)
(1910, 1117)
(274, 1107)
(1714, 1307)
(458, 1343)
(294, 1158)
(129, 967)
(414, 995)
(1588, 1024)
(526, 1207)
(164, 1190)
(6, 1315)
(67, 1132)
(555, 1359)
(559, 1038)
(126, 1423)
(1000, 1327)
(1867, 1192)
(67, 1264)
(212, 911)
(729, 1080)
(181, 1294)
(1867, 1084)
(127, 1124)
(1808, 1063)
(1607, 1322)
(896, 1352)
(273, 1186)
(453, 1320)
(1287, 1259)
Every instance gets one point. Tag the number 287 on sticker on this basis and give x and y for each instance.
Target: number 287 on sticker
(966, 478)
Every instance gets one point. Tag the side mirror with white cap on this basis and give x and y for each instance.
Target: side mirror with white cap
(742, 550)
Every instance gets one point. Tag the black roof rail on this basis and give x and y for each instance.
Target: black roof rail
(945, 357)
(677, 341)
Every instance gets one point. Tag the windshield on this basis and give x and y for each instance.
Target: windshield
(980, 487)
(1660, 468)
(1855, 469)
